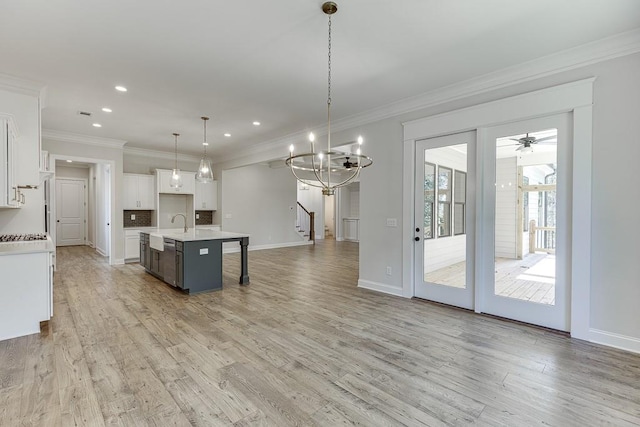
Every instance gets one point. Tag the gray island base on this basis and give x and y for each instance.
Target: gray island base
(192, 260)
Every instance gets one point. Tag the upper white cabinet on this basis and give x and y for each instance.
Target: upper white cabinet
(10, 196)
(139, 192)
(22, 100)
(206, 197)
(164, 179)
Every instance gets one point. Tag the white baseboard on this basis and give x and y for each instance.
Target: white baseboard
(611, 339)
(101, 252)
(271, 246)
(118, 261)
(380, 287)
(91, 245)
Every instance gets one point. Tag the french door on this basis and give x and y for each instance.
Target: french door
(497, 241)
(445, 219)
(524, 236)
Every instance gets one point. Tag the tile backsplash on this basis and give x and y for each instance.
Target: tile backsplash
(143, 219)
(205, 217)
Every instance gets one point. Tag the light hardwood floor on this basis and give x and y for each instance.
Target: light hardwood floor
(302, 345)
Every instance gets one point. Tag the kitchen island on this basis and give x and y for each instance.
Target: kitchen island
(191, 260)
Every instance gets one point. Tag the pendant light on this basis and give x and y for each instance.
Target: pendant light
(205, 172)
(176, 177)
(316, 168)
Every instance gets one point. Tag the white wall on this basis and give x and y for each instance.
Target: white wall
(260, 201)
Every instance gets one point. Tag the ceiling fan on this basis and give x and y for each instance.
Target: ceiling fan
(525, 143)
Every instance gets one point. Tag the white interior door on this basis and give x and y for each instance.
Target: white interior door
(444, 219)
(524, 239)
(70, 212)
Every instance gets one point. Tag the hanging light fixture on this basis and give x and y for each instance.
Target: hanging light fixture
(328, 169)
(205, 172)
(176, 177)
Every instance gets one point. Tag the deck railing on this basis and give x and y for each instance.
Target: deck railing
(541, 239)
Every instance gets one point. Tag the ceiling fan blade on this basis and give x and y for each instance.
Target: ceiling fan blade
(519, 141)
(546, 138)
(520, 148)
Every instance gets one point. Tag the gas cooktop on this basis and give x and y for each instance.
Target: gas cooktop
(22, 237)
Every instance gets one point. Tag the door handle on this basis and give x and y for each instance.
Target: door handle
(417, 239)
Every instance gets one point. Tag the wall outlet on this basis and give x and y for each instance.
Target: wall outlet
(388, 270)
(197, 216)
(133, 217)
(392, 222)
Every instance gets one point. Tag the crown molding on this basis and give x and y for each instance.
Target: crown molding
(616, 46)
(19, 85)
(96, 141)
(144, 152)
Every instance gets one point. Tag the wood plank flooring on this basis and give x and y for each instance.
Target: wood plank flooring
(302, 345)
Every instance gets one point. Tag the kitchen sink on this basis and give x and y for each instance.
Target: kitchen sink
(156, 241)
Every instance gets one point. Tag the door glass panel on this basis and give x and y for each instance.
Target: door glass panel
(444, 241)
(525, 219)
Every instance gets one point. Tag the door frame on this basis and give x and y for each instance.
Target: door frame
(575, 98)
(463, 298)
(112, 197)
(85, 209)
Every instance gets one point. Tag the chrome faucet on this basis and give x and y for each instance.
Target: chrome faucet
(173, 218)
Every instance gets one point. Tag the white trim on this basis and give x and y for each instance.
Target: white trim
(574, 97)
(408, 220)
(19, 85)
(553, 100)
(101, 252)
(381, 287)
(580, 296)
(271, 246)
(605, 49)
(611, 339)
(56, 135)
(144, 152)
(119, 261)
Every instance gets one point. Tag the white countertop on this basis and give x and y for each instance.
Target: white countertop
(195, 234)
(29, 247)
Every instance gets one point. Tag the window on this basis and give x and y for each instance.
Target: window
(460, 201)
(429, 198)
(444, 201)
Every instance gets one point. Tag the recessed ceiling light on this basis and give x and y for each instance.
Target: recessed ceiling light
(227, 135)
(107, 110)
(256, 123)
(97, 125)
(69, 161)
(121, 88)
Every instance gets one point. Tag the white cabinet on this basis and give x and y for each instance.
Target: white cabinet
(10, 196)
(132, 245)
(206, 197)
(139, 192)
(188, 182)
(27, 293)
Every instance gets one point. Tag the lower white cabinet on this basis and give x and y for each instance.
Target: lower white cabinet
(27, 293)
(132, 245)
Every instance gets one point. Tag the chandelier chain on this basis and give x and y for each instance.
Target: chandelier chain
(205, 137)
(329, 64)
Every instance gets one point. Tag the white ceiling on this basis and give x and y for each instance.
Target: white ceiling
(260, 60)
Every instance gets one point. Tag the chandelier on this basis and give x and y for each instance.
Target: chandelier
(205, 172)
(176, 177)
(328, 169)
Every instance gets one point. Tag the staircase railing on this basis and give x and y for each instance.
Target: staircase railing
(305, 222)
